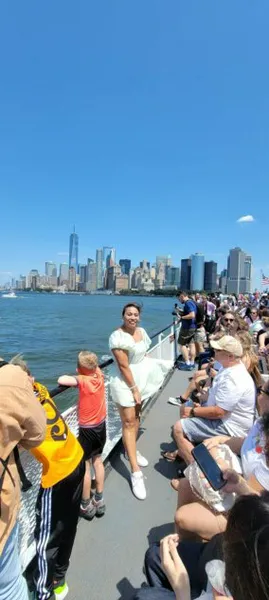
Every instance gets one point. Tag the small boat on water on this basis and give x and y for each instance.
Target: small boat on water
(9, 294)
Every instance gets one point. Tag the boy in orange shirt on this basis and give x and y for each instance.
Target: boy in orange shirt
(92, 428)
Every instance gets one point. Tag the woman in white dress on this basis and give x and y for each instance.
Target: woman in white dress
(134, 378)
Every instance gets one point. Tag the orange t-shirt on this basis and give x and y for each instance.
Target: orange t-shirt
(92, 401)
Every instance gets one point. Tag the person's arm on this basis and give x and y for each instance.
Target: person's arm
(190, 315)
(238, 485)
(234, 443)
(122, 359)
(174, 567)
(68, 380)
(204, 412)
(34, 423)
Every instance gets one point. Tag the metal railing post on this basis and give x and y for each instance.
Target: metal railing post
(175, 339)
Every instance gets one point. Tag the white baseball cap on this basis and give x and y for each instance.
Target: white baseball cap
(228, 343)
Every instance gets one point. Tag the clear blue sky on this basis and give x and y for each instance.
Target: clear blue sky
(144, 123)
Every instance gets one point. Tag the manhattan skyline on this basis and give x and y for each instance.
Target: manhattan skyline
(153, 147)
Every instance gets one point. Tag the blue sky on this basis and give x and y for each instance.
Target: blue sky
(144, 123)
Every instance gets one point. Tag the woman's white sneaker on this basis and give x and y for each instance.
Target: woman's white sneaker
(138, 486)
(141, 460)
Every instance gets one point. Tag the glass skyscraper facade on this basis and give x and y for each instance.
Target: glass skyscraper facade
(73, 251)
(99, 268)
(125, 265)
(185, 277)
(197, 272)
(210, 281)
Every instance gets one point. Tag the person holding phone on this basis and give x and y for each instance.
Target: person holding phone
(196, 517)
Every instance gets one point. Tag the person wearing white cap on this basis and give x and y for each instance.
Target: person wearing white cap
(230, 407)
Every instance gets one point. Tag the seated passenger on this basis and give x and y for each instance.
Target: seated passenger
(230, 407)
(58, 501)
(194, 516)
(243, 572)
(263, 334)
(92, 428)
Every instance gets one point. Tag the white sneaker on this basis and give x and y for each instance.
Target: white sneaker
(176, 401)
(141, 460)
(138, 486)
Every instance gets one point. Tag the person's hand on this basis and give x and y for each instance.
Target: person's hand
(174, 567)
(184, 411)
(215, 441)
(212, 372)
(234, 483)
(136, 395)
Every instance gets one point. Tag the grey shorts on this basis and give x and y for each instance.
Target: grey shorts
(200, 335)
(197, 429)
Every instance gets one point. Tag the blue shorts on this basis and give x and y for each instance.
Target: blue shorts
(197, 430)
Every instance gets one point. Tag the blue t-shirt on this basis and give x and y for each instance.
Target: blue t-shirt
(189, 307)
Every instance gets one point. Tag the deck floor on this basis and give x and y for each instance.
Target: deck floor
(107, 558)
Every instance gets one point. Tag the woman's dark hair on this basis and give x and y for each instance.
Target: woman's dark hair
(129, 305)
(246, 548)
(248, 313)
(264, 312)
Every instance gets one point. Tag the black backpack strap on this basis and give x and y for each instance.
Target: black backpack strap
(25, 483)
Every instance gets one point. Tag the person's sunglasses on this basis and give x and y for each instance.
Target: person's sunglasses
(228, 320)
(253, 312)
(260, 390)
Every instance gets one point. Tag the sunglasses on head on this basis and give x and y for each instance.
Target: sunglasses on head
(260, 390)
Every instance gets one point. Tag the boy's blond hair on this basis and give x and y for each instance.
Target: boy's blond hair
(87, 360)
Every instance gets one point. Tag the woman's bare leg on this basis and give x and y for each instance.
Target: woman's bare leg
(197, 520)
(130, 425)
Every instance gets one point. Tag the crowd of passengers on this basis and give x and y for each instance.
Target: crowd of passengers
(226, 407)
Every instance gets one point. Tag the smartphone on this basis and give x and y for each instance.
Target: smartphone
(208, 465)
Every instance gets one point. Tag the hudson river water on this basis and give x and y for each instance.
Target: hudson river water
(50, 329)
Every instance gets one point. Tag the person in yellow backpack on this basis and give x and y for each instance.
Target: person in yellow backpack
(58, 502)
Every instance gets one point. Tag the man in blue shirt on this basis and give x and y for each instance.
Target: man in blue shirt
(187, 332)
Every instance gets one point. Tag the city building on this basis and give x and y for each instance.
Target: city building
(50, 269)
(210, 276)
(112, 272)
(172, 276)
(99, 268)
(145, 265)
(109, 260)
(238, 272)
(125, 265)
(166, 260)
(121, 282)
(72, 279)
(73, 251)
(64, 274)
(223, 281)
(197, 271)
(33, 279)
(185, 274)
(91, 284)
(82, 271)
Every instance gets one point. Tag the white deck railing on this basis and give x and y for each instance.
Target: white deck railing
(164, 349)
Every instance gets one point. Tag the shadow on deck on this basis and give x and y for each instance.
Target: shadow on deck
(107, 559)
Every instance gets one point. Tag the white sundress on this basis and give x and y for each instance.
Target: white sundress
(148, 373)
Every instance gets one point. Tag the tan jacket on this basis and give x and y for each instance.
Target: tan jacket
(22, 420)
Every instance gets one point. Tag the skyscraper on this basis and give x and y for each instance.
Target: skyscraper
(210, 280)
(165, 260)
(63, 274)
(239, 272)
(73, 251)
(197, 271)
(185, 277)
(50, 269)
(99, 268)
(125, 265)
(109, 257)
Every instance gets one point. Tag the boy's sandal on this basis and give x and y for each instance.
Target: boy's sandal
(170, 456)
